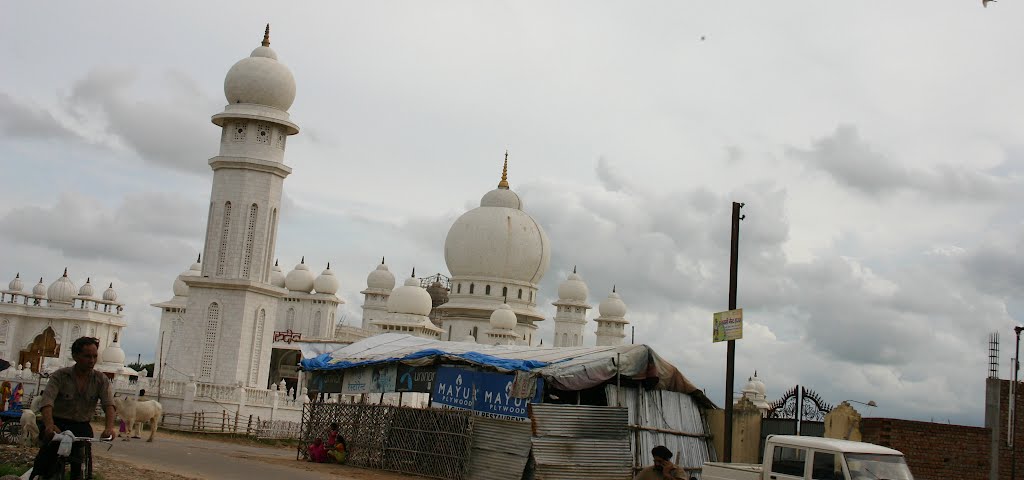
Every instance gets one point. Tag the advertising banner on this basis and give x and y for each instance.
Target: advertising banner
(415, 379)
(356, 381)
(325, 382)
(728, 325)
(382, 378)
(486, 393)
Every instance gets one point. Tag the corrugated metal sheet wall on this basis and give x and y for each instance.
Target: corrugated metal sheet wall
(501, 449)
(663, 410)
(581, 442)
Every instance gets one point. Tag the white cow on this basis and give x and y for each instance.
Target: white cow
(135, 412)
(29, 428)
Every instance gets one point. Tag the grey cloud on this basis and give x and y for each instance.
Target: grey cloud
(145, 228)
(173, 133)
(19, 120)
(853, 162)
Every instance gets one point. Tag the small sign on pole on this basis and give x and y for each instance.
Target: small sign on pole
(728, 325)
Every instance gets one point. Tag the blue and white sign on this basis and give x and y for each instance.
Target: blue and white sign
(483, 392)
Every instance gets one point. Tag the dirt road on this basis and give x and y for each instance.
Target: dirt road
(200, 458)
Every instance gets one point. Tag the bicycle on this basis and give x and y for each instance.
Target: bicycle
(86, 444)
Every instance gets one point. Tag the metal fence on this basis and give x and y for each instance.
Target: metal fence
(581, 442)
(431, 443)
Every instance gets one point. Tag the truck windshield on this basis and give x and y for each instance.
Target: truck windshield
(865, 466)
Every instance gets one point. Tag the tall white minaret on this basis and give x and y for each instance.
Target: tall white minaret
(232, 306)
(611, 324)
(379, 284)
(571, 311)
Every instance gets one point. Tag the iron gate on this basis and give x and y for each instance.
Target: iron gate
(800, 411)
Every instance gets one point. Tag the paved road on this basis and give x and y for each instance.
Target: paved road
(222, 460)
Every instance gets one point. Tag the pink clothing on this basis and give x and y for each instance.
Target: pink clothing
(317, 453)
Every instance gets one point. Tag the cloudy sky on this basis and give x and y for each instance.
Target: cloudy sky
(877, 148)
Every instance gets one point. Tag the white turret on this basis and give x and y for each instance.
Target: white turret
(87, 290)
(300, 279)
(39, 291)
(612, 322)
(62, 291)
(757, 393)
(503, 323)
(571, 311)
(379, 284)
(408, 310)
(327, 283)
(15, 285)
(277, 276)
(110, 294)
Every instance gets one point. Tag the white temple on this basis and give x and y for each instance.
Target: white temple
(38, 326)
(234, 313)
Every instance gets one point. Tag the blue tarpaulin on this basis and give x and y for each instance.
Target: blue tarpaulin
(327, 362)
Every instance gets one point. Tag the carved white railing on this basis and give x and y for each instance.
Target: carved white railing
(259, 397)
(172, 388)
(226, 393)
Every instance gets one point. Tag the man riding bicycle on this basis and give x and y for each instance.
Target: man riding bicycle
(69, 402)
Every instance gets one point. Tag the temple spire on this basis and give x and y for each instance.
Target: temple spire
(65, 271)
(266, 36)
(504, 173)
(199, 258)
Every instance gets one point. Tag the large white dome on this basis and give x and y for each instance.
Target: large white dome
(498, 240)
(327, 283)
(62, 291)
(261, 79)
(573, 288)
(503, 318)
(300, 279)
(381, 278)
(410, 298)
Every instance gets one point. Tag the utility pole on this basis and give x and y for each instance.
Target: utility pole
(730, 362)
(160, 378)
(1013, 424)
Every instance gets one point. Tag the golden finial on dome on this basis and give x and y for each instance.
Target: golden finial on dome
(266, 36)
(504, 173)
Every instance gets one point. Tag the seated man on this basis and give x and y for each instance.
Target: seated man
(662, 468)
(68, 403)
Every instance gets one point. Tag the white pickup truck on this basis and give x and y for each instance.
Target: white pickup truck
(791, 457)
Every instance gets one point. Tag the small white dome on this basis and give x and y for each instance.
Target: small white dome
(468, 339)
(327, 283)
(113, 354)
(573, 288)
(39, 290)
(758, 385)
(180, 288)
(62, 291)
(110, 295)
(15, 285)
(503, 318)
(381, 278)
(300, 279)
(86, 290)
(612, 307)
(502, 197)
(410, 298)
(277, 276)
(260, 79)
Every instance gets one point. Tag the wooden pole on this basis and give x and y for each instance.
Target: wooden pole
(730, 362)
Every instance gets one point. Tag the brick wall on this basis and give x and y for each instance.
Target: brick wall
(934, 451)
(1005, 452)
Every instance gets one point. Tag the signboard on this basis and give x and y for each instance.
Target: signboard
(486, 393)
(356, 381)
(415, 379)
(382, 378)
(728, 325)
(325, 382)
